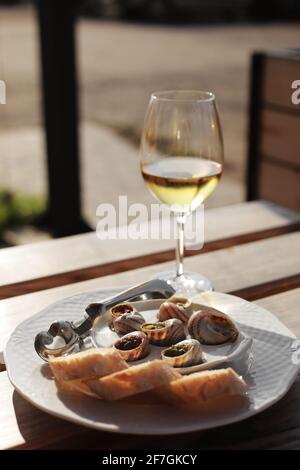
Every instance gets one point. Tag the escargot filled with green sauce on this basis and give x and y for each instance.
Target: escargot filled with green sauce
(183, 354)
(164, 333)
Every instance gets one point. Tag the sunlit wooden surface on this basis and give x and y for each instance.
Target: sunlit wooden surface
(265, 269)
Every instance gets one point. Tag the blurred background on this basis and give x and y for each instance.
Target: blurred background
(124, 50)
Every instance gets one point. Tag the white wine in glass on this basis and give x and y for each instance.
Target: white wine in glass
(182, 181)
(181, 163)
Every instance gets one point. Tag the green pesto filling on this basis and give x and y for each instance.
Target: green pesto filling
(175, 351)
(180, 304)
(154, 326)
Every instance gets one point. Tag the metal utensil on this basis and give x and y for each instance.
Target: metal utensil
(70, 335)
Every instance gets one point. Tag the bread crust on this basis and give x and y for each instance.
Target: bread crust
(202, 390)
(135, 380)
(89, 364)
(75, 386)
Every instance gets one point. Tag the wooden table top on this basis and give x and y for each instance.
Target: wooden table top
(251, 250)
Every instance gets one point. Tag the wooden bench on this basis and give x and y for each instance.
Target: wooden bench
(274, 137)
(251, 251)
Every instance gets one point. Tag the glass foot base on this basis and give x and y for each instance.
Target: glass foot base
(189, 283)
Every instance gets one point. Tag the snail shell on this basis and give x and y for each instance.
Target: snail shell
(183, 354)
(131, 321)
(164, 333)
(133, 346)
(175, 307)
(210, 326)
(120, 309)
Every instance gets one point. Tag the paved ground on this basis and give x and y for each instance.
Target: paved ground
(120, 64)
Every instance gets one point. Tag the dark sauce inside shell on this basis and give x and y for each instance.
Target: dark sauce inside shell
(121, 309)
(126, 344)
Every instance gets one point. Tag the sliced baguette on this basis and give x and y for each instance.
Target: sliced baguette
(75, 386)
(89, 364)
(202, 389)
(136, 379)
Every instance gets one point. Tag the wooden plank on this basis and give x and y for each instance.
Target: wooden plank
(286, 307)
(73, 259)
(279, 184)
(280, 137)
(25, 427)
(231, 269)
(272, 75)
(280, 72)
(268, 288)
(136, 262)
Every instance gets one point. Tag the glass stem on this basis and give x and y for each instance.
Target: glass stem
(180, 220)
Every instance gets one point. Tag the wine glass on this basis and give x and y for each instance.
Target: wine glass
(181, 163)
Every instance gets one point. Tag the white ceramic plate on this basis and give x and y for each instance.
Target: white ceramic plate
(271, 375)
